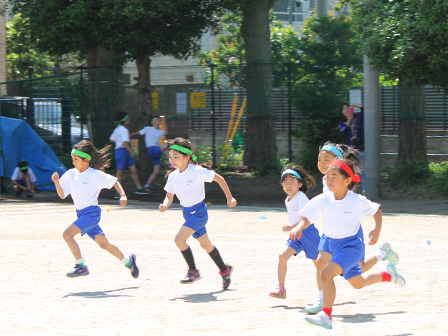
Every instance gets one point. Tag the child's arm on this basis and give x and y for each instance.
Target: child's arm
(166, 125)
(55, 178)
(120, 190)
(296, 233)
(33, 187)
(18, 185)
(166, 202)
(374, 235)
(128, 147)
(134, 134)
(231, 202)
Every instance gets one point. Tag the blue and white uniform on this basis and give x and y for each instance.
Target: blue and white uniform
(341, 224)
(121, 135)
(189, 188)
(17, 176)
(309, 241)
(85, 188)
(152, 141)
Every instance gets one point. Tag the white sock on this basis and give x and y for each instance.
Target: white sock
(79, 261)
(380, 254)
(125, 260)
(321, 294)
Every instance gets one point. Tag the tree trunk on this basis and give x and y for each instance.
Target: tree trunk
(260, 137)
(143, 87)
(412, 124)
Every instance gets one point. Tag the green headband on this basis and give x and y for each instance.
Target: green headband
(81, 154)
(24, 168)
(124, 118)
(184, 150)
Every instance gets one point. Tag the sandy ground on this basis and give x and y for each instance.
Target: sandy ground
(38, 299)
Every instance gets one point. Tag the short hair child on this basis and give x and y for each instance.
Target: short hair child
(186, 181)
(23, 179)
(341, 211)
(296, 182)
(84, 183)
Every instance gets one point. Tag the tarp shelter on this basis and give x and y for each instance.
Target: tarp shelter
(18, 141)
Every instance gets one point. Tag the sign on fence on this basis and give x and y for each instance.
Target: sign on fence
(198, 100)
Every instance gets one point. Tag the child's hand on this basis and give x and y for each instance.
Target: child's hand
(231, 203)
(162, 208)
(55, 177)
(123, 200)
(374, 235)
(286, 228)
(295, 234)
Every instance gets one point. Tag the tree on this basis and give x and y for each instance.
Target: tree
(407, 40)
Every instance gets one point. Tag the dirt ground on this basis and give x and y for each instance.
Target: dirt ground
(38, 299)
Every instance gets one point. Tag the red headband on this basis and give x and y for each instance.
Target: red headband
(347, 169)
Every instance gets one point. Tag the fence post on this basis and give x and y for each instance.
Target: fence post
(289, 113)
(66, 112)
(212, 84)
(30, 102)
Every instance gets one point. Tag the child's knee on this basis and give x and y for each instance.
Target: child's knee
(104, 244)
(283, 258)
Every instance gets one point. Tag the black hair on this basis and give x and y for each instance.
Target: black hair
(22, 164)
(348, 152)
(100, 157)
(342, 117)
(186, 144)
(355, 169)
(308, 182)
(120, 115)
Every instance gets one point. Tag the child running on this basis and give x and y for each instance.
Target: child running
(124, 152)
(327, 153)
(341, 211)
(84, 183)
(153, 134)
(296, 182)
(187, 182)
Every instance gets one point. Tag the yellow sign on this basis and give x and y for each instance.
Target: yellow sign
(197, 100)
(155, 101)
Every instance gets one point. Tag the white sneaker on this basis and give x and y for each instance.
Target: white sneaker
(390, 256)
(321, 319)
(315, 308)
(395, 277)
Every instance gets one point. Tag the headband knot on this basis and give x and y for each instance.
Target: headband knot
(120, 121)
(293, 172)
(345, 167)
(184, 150)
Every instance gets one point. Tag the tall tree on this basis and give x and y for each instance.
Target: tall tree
(407, 40)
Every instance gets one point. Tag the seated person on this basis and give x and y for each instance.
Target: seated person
(23, 179)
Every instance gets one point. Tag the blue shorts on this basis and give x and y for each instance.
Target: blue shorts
(347, 253)
(88, 221)
(323, 244)
(196, 217)
(123, 158)
(155, 153)
(308, 242)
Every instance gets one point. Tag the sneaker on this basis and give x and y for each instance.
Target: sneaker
(133, 266)
(78, 271)
(141, 191)
(315, 308)
(226, 276)
(391, 256)
(29, 194)
(191, 277)
(395, 277)
(279, 293)
(321, 319)
(150, 191)
(117, 196)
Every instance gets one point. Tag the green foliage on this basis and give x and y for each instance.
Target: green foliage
(230, 157)
(438, 180)
(204, 154)
(269, 168)
(413, 173)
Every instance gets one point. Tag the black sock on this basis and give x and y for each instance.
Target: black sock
(188, 255)
(217, 259)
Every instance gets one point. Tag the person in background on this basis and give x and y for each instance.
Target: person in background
(23, 179)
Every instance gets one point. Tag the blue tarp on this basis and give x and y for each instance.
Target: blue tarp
(18, 141)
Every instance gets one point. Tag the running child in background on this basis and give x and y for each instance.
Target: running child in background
(186, 181)
(153, 134)
(296, 182)
(327, 153)
(23, 179)
(341, 211)
(124, 152)
(84, 183)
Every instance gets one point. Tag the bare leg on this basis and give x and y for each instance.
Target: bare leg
(206, 244)
(182, 237)
(68, 236)
(154, 174)
(364, 280)
(119, 175)
(328, 274)
(322, 260)
(102, 241)
(134, 175)
(368, 263)
(282, 268)
(27, 180)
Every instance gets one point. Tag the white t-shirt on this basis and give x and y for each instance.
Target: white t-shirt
(340, 218)
(120, 135)
(17, 175)
(324, 184)
(189, 185)
(152, 135)
(86, 186)
(294, 206)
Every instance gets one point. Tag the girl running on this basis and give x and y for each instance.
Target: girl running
(84, 183)
(341, 211)
(186, 181)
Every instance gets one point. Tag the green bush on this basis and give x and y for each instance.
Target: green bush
(204, 154)
(438, 179)
(233, 158)
(410, 174)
